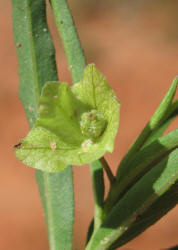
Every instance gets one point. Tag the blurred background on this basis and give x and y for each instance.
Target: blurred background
(135, 44)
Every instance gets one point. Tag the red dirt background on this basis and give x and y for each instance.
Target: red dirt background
(137, 50)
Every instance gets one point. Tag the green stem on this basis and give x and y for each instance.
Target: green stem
(108, 171)
(76, 62)
(96, 170)
(153, 124)
(70, 39)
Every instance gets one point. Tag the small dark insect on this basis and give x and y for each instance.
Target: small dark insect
(18, 145)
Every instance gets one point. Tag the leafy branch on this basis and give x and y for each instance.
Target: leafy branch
(77, 125)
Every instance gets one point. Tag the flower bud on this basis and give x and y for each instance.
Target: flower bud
(92, 124)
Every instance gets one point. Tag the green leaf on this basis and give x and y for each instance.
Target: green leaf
(154, 123)
(58, 137)
(144, 160)
(36, 58)
(36, 55)
(156, 211)
(170, 116)
(153, 187)
(57, 190)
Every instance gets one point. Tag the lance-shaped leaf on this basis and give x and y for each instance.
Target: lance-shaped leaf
(145, 202)
(76, 125)
(37, 65)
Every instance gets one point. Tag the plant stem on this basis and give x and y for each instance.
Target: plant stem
(96, 170)
(70, 39)
(108, 171)
(76, 62)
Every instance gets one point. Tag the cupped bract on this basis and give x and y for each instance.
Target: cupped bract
(76, 125)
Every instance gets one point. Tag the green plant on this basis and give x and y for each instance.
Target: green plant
(77, 125)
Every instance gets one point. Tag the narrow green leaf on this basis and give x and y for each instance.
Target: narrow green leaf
(36, 56)
(144, 195)
(36, 60)
(57, 197)
(145, 158)
(88, 112)
(170, 116)
(156, 211)
(154, 123)
(143, 161)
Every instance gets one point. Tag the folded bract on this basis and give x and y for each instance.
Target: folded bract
(76, 125)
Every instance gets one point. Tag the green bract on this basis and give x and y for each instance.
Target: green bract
(76, 125)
